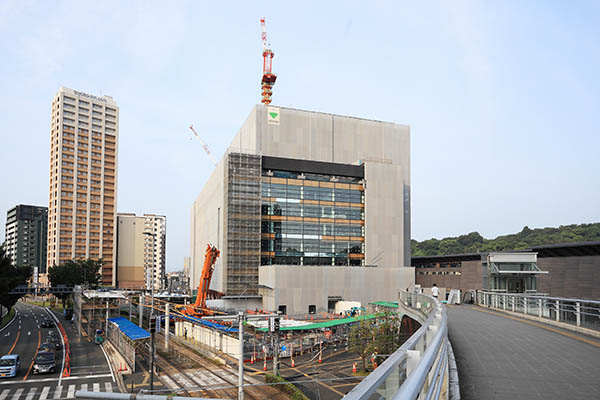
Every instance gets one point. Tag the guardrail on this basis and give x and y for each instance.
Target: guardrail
(577, 312)
(419, 368)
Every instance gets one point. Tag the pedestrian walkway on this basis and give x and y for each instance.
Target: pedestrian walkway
(504, 357)
(50, 392)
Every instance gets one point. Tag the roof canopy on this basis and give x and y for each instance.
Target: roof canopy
(129, 329)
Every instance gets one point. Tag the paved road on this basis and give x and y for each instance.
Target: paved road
(89, 368)
(503, 357)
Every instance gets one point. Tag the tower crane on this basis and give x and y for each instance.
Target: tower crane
(204, 146)
(268, 78)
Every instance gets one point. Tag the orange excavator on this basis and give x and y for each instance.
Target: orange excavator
(199, 309)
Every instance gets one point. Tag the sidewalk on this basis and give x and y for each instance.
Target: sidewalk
(500, 357)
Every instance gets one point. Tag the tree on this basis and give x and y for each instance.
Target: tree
(387, 334)
(75, 272)
(11, 277)
(360, 340)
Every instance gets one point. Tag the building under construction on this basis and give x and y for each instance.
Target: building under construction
(307, 209)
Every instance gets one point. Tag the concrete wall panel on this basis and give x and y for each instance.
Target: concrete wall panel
(291, 285)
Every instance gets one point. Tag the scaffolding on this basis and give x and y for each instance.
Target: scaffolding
(242, 225)
(91, 308)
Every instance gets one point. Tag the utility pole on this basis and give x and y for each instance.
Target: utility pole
(152, 330)
(274, 328)
(241, 357)
(167, 326)
(106, 322)
(141, 306)
(241, 319)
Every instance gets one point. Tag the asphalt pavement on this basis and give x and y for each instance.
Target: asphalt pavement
(89, 369)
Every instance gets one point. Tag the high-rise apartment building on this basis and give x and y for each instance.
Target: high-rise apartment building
(83, 180)
(26, 230)
(308, 209)
(141, 251)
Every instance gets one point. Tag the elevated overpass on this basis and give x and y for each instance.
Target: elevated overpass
(505, 346)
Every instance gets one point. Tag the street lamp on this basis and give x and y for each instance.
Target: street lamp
(152, 329)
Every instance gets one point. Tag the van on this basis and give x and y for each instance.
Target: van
(44, 362)
(9, 365)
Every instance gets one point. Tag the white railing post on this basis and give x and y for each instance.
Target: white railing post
(578, 313)
(525, 302)
(540, 308)
(504, 302)
(557, 310)
(513, 303)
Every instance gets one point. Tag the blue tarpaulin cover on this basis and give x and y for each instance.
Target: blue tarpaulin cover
(210, 324)
(131, 330)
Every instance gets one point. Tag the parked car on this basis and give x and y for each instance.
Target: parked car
(47, 323)
(55, 340)
(45, 362)
(9, 365)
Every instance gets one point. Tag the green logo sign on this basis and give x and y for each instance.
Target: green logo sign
(273, 115)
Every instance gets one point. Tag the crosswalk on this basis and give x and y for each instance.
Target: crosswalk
(199, 379)
(52, 392)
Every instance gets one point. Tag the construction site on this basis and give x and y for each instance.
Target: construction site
(295, 226)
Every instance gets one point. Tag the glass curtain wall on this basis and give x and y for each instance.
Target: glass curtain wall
(311, 219)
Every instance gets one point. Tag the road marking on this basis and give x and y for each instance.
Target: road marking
(539, 325)
(4, 394)
(183, 380)
(36, 352)
(108, 387)
(44, 394)
(17, 394)
(96, 387)
(71, 392)
(8, 334)
(16, 340)
(58, 392)
(28, 333)
(170, 383)
(56, 379)
(31, 393)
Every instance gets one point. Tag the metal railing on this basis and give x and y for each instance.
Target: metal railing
(419, 368)
(577, 312)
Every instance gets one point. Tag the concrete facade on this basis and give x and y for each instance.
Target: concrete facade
(297, 288)
(26, 230)
(383, 149)
(84, 133)
(141, 257)
(572, 270)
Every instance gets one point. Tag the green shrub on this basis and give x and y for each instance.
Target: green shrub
(286, 387)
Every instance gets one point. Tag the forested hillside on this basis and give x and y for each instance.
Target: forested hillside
(474, 242)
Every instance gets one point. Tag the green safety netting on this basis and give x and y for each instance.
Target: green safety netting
(324, 324)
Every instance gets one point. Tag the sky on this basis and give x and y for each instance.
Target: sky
(502, 98)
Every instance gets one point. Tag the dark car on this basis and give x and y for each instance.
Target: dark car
(47, 323)
(45, 362)
(55, 340)
(47, 347)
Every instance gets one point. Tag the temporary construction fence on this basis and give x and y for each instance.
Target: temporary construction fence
(126, 337)
(212, 337)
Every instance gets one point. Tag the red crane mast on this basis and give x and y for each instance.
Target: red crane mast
(268, 78)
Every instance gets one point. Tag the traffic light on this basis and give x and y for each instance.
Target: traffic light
(276, 324)
(152, 324)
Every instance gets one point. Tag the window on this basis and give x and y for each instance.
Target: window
(312, 309)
